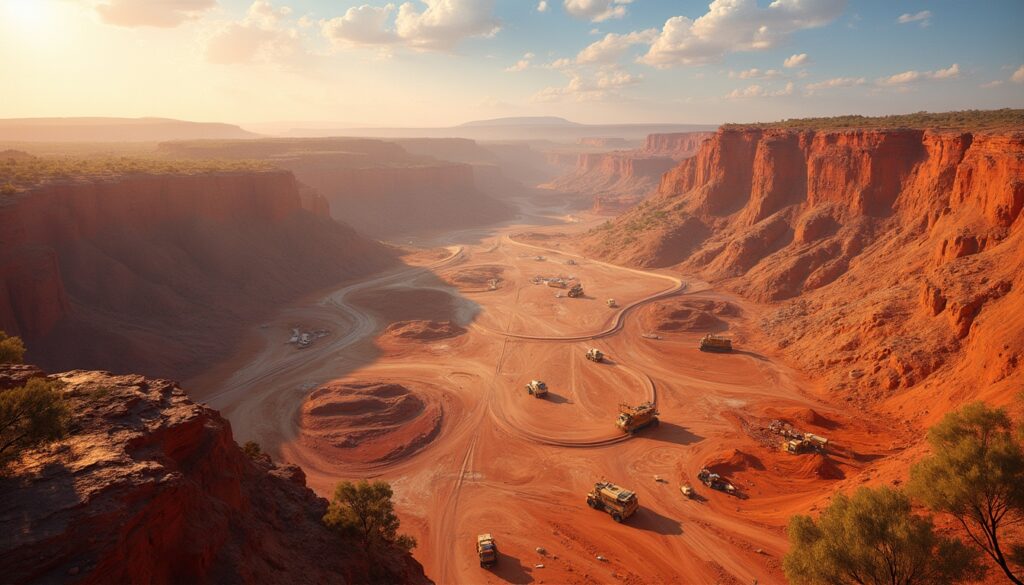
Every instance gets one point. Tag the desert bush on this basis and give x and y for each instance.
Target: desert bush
(963, 120)
(31, 415)
(12, 350)
(365, 511)
(252, 449)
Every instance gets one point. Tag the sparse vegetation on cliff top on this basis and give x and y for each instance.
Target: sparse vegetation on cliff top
(20, 174)
(963, 120)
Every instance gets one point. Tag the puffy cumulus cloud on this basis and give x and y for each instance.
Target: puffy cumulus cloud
(1018, 75)
(755, 73)
(426, 25)
(924, 18)
(542, 6)
(796, 61)
(755, 91)
(596, 10)
(522, 64)
(833, 83)
(161, 13)
(613, 46)
(261, 36)
(907, 77)
(602, 85)
(736, 25)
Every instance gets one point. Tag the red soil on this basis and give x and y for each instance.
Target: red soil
(423, 330)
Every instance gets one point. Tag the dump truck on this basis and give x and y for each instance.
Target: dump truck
(611, 303)
(806, 443)
(487, 550)
(595, 355)
(537, 388)
(715, 481)
(619, 502)
(634, 418)
(712, 342)
(576, 291)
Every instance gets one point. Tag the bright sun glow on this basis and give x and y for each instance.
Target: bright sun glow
(25, 14)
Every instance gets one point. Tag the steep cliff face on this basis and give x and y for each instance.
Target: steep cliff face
(891, 253)
(151, 488)
(158, 273)
(677, 145)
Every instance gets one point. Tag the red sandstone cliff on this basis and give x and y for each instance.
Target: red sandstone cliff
(157, 273)
(151, 488)
(894, 255)
(676, 145)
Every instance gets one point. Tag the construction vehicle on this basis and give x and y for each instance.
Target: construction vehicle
(537, 389)
(619, 502)
(807, 443)
(595, 355)
(487, 550)
(634, 418)
(576, 291)
(712, 342)
(715, 481)
(556, 283)
(687, 490)
(611, 303)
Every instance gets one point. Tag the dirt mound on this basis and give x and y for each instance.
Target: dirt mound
(475, 276)
(816, 466)
(734, 461)
(368, 422)
(424, 330)
(690, 315)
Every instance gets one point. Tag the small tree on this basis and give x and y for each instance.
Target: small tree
(874, 538)
(252, 449)
(12, 350)
(30, 416)
(976, 474)
(365, 510)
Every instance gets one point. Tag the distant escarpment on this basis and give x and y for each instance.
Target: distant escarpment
(892, 255)
(379, 187)
(159, 273)
(150, 487)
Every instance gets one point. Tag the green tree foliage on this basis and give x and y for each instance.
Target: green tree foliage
(874, 538)
(365, 510)
(12, 350)
(30, 416)
(252, 449)
(962, 120)
(976, 474)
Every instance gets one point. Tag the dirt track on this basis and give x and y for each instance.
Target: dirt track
(518, 467)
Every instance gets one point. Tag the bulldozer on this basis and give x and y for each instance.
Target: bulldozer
(711, 342)
(617, 501)
(634, 418)
(537, 388)
(595, 355)
(715, 481)
(487, 550)
(576, 291)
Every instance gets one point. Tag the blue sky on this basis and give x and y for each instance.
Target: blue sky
(440, 62)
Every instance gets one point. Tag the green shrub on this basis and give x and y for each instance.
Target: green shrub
(31, 415)
(365, 510)
(12, 350)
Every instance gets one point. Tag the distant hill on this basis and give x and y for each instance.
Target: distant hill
(114, 130)
(520, 121)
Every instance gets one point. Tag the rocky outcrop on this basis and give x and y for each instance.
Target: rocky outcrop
(158, 273)
(676, 145)
(890, 252)
(150, 487)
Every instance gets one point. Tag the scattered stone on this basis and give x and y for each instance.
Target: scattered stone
(539, 566)
(541, 550)
(602, 559)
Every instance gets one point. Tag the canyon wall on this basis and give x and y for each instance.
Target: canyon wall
(677, 145)
(158, 273)
(150, 487)
(891, 255)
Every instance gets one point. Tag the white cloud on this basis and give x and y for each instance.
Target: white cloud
(906, 77)
(795, 61)
(834, 82)
(754, 91)
(260, 36)
(162, 13)
(580, 88)
(522, 64)
(436, 25)
(596, 10)
(924, 18)
(542, 6)
(613, 46)
(992, 84)
(737, 25)
(1018, 75)
(755, 73)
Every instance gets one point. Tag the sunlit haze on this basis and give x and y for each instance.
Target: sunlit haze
(442, 62)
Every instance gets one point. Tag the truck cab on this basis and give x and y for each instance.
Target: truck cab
(537, 388)
(487, 550)
(617, 501)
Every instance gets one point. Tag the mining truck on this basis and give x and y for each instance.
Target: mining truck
(715, 481)
(807, 443)
(595, 355)
(576, 291)
(712, 342)
(537, 388)
(633, 418)
(487, 550)
(611, 303)
(619, 502)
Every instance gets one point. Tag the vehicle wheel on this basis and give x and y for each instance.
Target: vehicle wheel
(592, 503)
(617, 517)
(530, 391)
